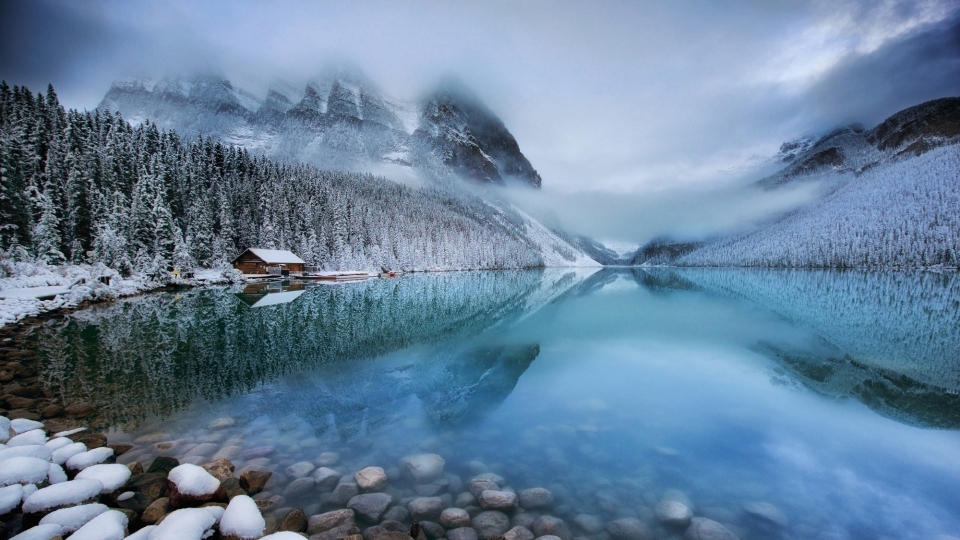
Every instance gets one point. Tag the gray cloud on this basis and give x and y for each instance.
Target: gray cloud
(647, 101)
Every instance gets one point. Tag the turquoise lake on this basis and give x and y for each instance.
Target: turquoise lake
(833, 397)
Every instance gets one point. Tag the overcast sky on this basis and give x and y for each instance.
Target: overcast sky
(634, 98)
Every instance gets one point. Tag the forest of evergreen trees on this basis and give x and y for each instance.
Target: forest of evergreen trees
(84, 187)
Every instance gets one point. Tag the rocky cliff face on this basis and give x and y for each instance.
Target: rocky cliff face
(339, 120)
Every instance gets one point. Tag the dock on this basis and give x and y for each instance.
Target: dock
(40, 293)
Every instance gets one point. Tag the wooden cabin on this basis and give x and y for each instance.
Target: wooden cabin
(257, 261)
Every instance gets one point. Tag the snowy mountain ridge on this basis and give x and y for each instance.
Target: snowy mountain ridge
(339, 120)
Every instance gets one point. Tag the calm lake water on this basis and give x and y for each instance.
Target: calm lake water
(833, 396)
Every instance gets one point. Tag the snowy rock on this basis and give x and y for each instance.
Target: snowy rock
(326, 479)
(192, 480)
(89, 458)
(63, 494)
(144, 533)
(300, 469)
(628, 529)
(40, 532)
(28, 490)
(69, 432)
(497, 500)
(71, 519)
(4, 429)
(765, 511)
(707, 529)
(674, 513)
(107, 526)
(422, 468)
(36, 436)
(491, 523)
(184, 524)
(113, 476)
(535, 498)
(10, 497)
(58, 443)
(30, 450)
(370, 505)
(217, 511)
(23, 425)
(23, 470)
(61, 455)
(242, 519)
(452, 518)
(371, 479)
(283, 535)
(56, 475)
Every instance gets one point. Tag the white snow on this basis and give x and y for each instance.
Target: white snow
(217, 511)
(56, 474)
(107, 526)
(29, 450)
(193, 480)
(10, 498)
(23, 425)
(72, 492)
(34, 292)
(125, 495)
(283, 535)
(40, 532)
(4, 429)
(71, 519)
(144, 533)
(112, 476)
(58, 443)
(28, 490)
(61, 455)
(242, 519)
(23, 470)
(88, 458)
(184, 524)
(36, 436)
(69, 432)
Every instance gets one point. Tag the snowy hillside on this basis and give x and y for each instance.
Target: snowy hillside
(338, 120)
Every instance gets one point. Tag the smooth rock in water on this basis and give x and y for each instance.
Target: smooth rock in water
(422, 468)
(227, 452)
(679, 496)
(462, 533)
(628, 529)
(343, 493)
(674, 513)
(453, 518)
(369, 506)
(294, 521)
(337, 533)
(550, 525)
(242, 519)
(258, 452)
(423, 508)
(63, 494)
(220, 469)
(524, 520)
(465, 499)
(707, 529)
(397, 513)
(221, 423)
(432, 530)
(324, 522)
(253, 481)
(497, 500)
(371, 479)
(589, 524)
(477, 487)
(202, 450)
(326, 479)
(535, 498)
(491, 523)
(327, 459)
(300, 469)
(518, 533)
(156, 510)
(381, 533)
(428, 490)
(766, 512)
(299, 487)
(490, 477)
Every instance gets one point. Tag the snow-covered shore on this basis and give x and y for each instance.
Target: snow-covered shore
(85, 285)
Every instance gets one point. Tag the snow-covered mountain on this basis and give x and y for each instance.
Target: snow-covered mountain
(889, 197)
(338, 120)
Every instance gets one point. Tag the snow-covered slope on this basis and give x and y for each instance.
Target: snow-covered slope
(339, 120)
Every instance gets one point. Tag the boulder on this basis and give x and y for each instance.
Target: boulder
(588, 524)
(477, 487)
(550, 525)
(326, 479)
(397, 513)
(423, 508)
(369, 506)
(628, 529)
(536, 498)
(221, 469)
(156, 510)
(343, 493)
(765, 511)
(490, 523)
(337, 533)
(422, 468)
(327, 459)
(294, 521)
(300, 469)
(453, 518)
(524, 520)
(491, 499)
(674, 514)
(462, 533)
(707, 529)
(299, 486)
(324, 522)
(518, 533)
(253, 481)
(371, 479)
(432, 530)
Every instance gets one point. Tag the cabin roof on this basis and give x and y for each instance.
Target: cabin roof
(273, 256)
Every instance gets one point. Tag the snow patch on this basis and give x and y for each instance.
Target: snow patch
(193, 480)
(67, 493)
(242, 519)
(112, 476)
(23, 470)
(71, 519)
